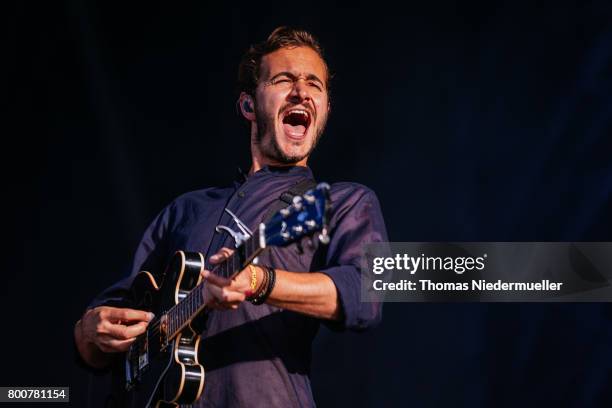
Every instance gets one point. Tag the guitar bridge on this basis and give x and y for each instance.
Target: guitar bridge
(136, 362)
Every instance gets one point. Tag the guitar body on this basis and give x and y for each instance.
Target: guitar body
(156, 372)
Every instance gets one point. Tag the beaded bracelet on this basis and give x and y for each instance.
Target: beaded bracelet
(264, 282)
(256, 299)
(266, 286)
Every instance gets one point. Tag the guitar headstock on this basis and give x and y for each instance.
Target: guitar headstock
(306, 216)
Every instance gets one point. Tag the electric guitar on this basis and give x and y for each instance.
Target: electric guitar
(161, 368)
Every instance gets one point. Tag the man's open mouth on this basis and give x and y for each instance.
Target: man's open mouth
(296, 122)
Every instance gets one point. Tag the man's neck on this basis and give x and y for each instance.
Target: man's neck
(259, 162)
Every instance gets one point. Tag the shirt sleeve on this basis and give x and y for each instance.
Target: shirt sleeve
(354, 225)
(151, 254)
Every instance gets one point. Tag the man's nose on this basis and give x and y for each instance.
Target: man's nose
(299, 92)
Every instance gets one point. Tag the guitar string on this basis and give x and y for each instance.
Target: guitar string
(155, 328)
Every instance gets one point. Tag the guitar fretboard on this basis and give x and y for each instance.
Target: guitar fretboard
(182, 313)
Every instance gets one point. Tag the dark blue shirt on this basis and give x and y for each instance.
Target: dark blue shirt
(260, 355)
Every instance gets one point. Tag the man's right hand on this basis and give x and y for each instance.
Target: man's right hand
(104, 330)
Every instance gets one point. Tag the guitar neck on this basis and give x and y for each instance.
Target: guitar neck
(189, 307)
(242, 256)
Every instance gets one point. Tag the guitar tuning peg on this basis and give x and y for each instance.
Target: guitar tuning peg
(310, 199)
(297, 203)
(323, 186)
(324, 237)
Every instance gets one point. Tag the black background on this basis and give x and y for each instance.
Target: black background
(472, 121)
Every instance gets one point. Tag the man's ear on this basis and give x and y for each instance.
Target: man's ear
(247, 106)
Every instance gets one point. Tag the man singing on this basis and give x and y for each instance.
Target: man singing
(256, 345)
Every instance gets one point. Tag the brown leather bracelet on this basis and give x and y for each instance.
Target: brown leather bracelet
(270, 281)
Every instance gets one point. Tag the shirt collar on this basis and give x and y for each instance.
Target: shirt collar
(277, 171)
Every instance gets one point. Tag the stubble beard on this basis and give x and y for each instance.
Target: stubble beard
(268, 140)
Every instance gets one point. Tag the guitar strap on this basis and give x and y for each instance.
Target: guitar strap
(286, 198)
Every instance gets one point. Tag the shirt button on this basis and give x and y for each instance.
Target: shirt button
(241, 194)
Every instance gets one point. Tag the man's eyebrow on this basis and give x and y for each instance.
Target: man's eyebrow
(309, 77)
(284, 73)
(313, 77)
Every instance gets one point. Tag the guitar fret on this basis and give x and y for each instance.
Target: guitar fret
(198, 296)
(251, 247)
(240, 258)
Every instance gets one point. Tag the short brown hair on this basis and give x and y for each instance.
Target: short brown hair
(281, 37)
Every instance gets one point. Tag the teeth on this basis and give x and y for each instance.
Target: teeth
(303, 112)
(299, 111)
